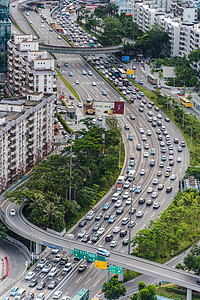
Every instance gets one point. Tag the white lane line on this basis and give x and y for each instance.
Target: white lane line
(143, 226)
(90, 266)
(153, 214)
(96, 283)
(87, 281)
(78, 279)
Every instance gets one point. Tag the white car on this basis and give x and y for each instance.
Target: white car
(142, 172)
(173, 177)
(57, 294)
(90, 215)
(42, 26)
(154, 195)
(100, 230)
(29, 275)
(113, 244)
(126, 185)
(58, 37)
(76, 82)
(146, 154)
(116, 229)
(67, 267)
(66, 298)
(155, 181)
(148, 132)
(41, 296)
(150, 190)
(94, 83)
(144, 138)
(141, 130)
(118, 203)
(125, 195)
(81, 233)
(139, 214)
(128, 201)
(12, 212)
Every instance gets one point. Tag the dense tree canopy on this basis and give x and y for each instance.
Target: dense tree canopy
(192, 260)
(146, 292)
(94, 167)
(113, 289)
(176, 228)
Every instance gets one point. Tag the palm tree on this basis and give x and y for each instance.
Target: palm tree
(50, 210)
(112, 9)
(36, 201)
(160, 76)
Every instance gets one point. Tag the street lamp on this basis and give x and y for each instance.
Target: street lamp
(130, 218)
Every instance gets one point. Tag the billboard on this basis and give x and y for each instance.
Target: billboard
(102, 108)
(125, 58)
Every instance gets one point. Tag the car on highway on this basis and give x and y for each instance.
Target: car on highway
(131, 163)
(94, 83)
(154, 195)
(53, 272)
(149, 202)
(29, 296)
(142, 171)
(178, 159)
(118, 204)
(138, 147)
(146, 154)
(98, 217)
(125, 221)
(12, 212)
(100, 231)
(89, 73)
(132, 224)
(116, 229)
(169, 189)
(82, 223)
(139, 214)
(95, 237)
(155, 181)
(130, 137)
(41, 285)
(125, 242)
(41, 296)
(57, 258)
(141, 201)
(67, 267)
(125, 195)
(85, 239)
(132, 210)
(33, 282)
(57, 294)
(128, 201)
(160, 186)
(126, 184)
(156, 205)
(96, 227)
(132, 117)
(52, 284)
(138, 189)
(46, 268)
(119, 211)
(106, 216)
(103, 252)
(41, 263)
(81, 233)
(104, 93)
(63, 261)
(82, 268)
(153, 151)
(173, 177)
(90, 215)
(159, 173)
(150, 189)
(14, 290)
(106, 206)
(29, 275)
(111, 219)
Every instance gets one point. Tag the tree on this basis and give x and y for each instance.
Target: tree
(192, 260)
(189, 95)
(113, 32)
(113, 289)
(152, 71)
(3, 231)
(160, 76)
(141, 285)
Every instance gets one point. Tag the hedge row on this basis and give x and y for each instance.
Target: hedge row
(64, 123)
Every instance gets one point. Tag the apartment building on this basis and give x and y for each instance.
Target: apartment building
(26, 134)
(5, 32)
(29, 69)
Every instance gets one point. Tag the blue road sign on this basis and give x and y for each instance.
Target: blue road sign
(125, 58)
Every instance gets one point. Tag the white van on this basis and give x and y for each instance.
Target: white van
(52, 272)
(115, 197)
(20, 294)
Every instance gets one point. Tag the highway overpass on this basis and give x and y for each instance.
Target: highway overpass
(23, 227)
(80, 50)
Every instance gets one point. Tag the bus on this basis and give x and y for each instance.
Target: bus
(83, 294)
(122, 73)
(186, 102)
(152, 79)
(71, 9)
(115, 72)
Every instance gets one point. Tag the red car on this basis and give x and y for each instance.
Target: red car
(137, 90)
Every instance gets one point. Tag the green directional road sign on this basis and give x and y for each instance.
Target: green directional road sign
(101, 258)
(115, 269)
(91, 257)
(80, 253)
(71, 251)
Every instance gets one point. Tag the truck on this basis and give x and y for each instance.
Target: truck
(121, 180)
(131, 175)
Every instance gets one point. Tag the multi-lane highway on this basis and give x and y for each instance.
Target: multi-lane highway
(92, 277)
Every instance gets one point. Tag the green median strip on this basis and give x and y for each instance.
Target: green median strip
(68, 85)
(64, 123)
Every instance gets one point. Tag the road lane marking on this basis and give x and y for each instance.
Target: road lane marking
(96, 283)
(78, 279)
(87, 281)
(143, 226)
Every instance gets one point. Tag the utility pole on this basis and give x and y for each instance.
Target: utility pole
(70, 171)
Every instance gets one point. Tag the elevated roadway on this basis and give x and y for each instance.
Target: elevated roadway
(21, 226)
(81, 50)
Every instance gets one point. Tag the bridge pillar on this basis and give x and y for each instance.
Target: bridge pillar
(121, 276)
(38, 248)
(108, 275)
(189, 294)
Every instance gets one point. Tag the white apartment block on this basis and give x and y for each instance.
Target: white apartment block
(29, 69)
(26, 134)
